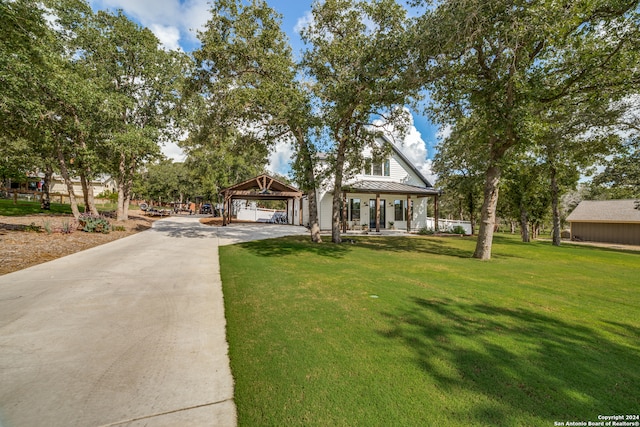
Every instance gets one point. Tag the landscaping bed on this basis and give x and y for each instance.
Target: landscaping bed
(33, 239)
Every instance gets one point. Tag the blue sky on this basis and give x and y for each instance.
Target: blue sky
(175, 23)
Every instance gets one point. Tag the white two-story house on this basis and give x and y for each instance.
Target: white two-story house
(387, 194)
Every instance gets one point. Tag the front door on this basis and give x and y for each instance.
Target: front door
(372, 214)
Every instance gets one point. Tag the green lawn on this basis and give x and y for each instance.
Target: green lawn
(23, 207)
(412, 331)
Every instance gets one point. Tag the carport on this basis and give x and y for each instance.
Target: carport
(264, 187)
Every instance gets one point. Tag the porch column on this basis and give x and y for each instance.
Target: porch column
(300, 216)
(435, 213)
(344, 212)
(409, 214)
(377, 213)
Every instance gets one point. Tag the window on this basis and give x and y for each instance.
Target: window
(377, 169)
(400, 210)
(367, 166)
(355, 210)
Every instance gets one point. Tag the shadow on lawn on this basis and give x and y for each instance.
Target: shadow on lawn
(435, 246)
(521, 362)
(292, 245)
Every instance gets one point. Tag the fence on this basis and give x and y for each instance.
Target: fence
(445, 225)
(262, 215)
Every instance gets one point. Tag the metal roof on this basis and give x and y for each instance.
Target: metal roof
(609, 211)
(388, 188)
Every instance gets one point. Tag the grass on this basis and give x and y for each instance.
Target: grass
(23, 207)
(412, 331)
(8, 208)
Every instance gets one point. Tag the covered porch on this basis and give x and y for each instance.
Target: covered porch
(381, 205)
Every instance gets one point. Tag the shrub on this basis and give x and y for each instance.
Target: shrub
(424, 231)
(33, 227)
(94, 224)
(458, 229)
(68, 227)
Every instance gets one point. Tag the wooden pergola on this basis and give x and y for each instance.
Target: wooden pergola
(263, 187)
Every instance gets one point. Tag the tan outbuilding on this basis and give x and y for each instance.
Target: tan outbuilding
(611, 221)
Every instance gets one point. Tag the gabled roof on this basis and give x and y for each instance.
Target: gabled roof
(406, 161)
(607, 211)
(262, 187)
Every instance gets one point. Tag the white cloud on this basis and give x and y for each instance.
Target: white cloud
(172, 21)
(173, 152)
(303, 22)
(412, 146)
(169, 36)
(280, 158)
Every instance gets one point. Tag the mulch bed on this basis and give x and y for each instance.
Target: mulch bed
(33, 239)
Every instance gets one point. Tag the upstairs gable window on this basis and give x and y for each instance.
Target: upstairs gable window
(377, 169)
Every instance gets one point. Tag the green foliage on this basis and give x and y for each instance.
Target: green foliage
(361, 71)
(425, 231)
(458, 229)
(33, 227)
(621, 177)
(109, 195)
(506, 64)
(166, 181)
(94, 224)
(524, 340)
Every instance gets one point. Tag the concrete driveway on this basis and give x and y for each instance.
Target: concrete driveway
(131, 333)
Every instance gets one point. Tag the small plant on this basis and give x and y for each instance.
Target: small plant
(424, 231)
(458, 229)
(47, 227)
(94, 224)
(68, 227)
(33, 227)
(391, 223)
(118, 228)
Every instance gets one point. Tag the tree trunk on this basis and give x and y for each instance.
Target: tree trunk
(488, 213)
(309, 185)
(554, 206)
(337, 195)
(313, 216)
(45, 201)
(120, 183)
(87, 192)
(472, 212)
(67, 180)
(524, 225)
